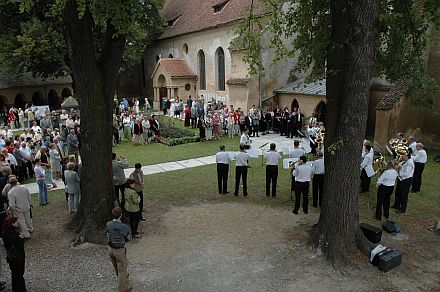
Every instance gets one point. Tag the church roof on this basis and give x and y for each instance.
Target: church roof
(186, 16)
(175, 67)
(300, 87)
(70, 102)
(27, 80)
(393, 96)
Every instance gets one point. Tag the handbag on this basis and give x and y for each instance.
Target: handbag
(138, 187)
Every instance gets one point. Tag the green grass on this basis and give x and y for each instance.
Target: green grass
(154, 153)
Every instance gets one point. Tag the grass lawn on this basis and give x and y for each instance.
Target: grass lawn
(154, 153)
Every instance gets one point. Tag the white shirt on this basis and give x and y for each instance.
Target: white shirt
(222, 157)
(242, 159)
(413, 146)
(244, 139)
(388, 178)
(26, 152)
(368, 160)
(318, 166)
(406, 169)
(36, 129)
(64, 118)
(272, 157)
(7, 134)
(420, 156)
(11, 159)
(145, 125)
(296, 153)
(302, 173)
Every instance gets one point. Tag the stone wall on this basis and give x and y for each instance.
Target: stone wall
(25, 94)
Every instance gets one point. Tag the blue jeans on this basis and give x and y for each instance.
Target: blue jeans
(42, 192)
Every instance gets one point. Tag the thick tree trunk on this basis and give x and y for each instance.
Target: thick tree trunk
(350, 56)
(95, 82)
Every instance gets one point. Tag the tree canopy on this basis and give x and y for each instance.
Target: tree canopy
(31, 39)
(301, 29)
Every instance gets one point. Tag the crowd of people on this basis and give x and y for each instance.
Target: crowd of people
(48, 150)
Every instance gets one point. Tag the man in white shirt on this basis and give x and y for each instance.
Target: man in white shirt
(27, 155)
(7, 133)
(303, 174)
(404, 181)
(241, 169)
(146, 130)
(420, 158)
(296, 152)
(222, 159)
(244, 139)
(367, 170)
(318, 180)
(385, 188)
(35, 128)
(20, 205)
(412, 143)
(272, 160)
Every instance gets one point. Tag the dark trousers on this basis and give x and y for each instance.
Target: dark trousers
(30, 169)
(241, 171)
(121, 199)
(302, 188)
(194, 122)
(318, 189)
(417, 177)
(401, 195)
(116, 136)
(365, 181)
(17, 272)
(187, 121)
(255, 130)
(271, 176)
(141, 203)
(21, 173)
(383, 201)
(292, 184)
(134, 222)
(222, 177)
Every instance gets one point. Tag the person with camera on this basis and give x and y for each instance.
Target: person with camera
(303, 174)
(118, 234)
(118, 166)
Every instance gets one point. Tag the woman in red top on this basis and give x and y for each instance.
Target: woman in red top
(187, 113)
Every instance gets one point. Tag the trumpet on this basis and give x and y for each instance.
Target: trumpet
(291, 166)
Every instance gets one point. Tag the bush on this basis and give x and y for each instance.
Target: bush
(182, 140)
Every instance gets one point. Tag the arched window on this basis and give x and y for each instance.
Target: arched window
(19, 100)
(66, 93)
(220, 69)
(170, 56)
(202, 72)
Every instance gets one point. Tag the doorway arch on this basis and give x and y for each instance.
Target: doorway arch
(320, 111)
(54, 100)
(294, 104)
(19, 101)
(2, 101)
(38, 98)
(66, 93)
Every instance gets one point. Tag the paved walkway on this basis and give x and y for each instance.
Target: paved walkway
(261, 142)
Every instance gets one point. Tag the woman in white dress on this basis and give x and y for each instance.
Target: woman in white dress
(55, 161)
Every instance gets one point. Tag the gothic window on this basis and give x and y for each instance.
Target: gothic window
(202, 73)
(220, 66)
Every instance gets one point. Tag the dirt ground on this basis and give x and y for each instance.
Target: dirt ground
(234, 246)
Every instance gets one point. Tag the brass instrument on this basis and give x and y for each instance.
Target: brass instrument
(380, 163)
(393, 142)
(291, 165)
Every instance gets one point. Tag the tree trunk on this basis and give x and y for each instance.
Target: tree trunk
(95, 82)
(350, 57)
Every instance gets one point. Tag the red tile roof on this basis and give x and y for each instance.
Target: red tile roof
(196, 15)
(176, 67)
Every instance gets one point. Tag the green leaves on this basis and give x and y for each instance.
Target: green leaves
(33, 41)
(301, 29)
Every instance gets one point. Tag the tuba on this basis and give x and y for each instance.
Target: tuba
(380, 163)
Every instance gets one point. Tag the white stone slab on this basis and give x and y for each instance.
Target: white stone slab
(190, 163)
(170, 166)
(207, 159)
(151, 169)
